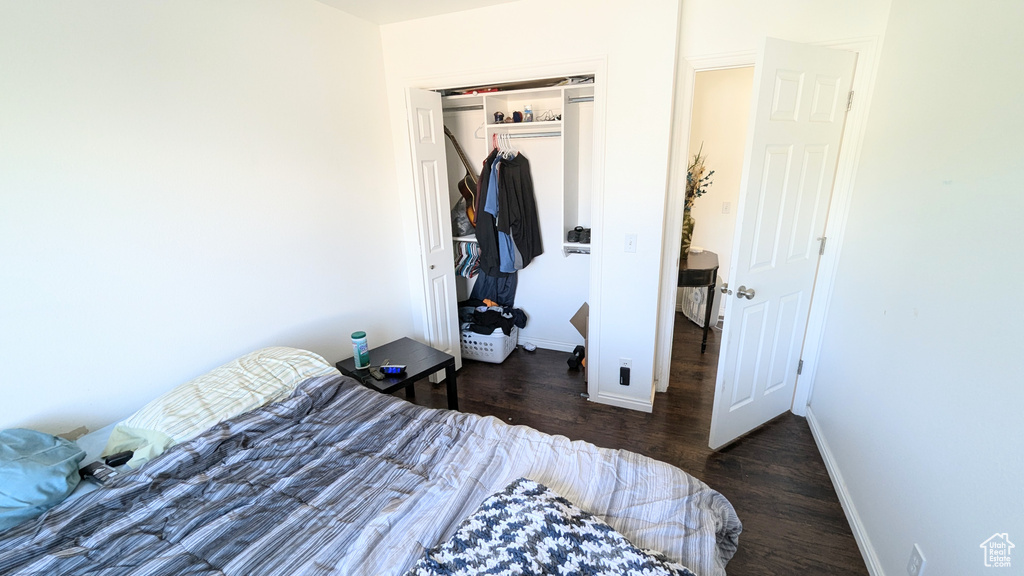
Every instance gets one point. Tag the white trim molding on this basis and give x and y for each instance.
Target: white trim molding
(620, 401)
(555, 345)
(867, 551)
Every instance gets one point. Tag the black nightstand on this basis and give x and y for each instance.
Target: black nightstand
(420, 361)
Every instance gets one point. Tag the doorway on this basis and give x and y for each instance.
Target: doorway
(797, 132)
(718, 132)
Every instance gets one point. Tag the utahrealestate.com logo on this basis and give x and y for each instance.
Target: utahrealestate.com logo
(997, 550)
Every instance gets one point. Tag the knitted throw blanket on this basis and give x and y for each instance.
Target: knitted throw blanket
(526, 529)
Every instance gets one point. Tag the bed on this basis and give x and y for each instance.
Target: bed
(338, 479)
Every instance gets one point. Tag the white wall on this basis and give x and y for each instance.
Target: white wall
(918, 393)
(637, 40)
(183, 182)
(721, 112)
(714, 27)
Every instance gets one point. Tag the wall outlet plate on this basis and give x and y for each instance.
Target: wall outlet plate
(916, 565)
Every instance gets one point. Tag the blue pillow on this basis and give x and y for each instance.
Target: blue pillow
(37, 471)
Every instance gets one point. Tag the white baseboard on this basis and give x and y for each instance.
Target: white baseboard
(623, 402)
(548, 344)
(867, 551)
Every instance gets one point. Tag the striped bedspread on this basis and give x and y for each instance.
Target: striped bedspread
(337, 479)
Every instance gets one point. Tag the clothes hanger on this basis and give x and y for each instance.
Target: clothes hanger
(510, 149)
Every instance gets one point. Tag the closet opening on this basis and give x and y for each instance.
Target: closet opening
(541, 135)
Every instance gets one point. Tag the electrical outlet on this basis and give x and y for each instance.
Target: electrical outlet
(726, 207)
(916, 565)
(630, 242)
(624, 365)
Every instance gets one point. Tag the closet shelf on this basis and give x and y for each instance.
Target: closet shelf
(464, 239)
(557, 124)
(569, 248)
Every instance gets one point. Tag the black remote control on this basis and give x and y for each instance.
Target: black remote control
(98, 472)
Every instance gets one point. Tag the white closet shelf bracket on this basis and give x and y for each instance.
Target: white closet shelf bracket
(535, 135)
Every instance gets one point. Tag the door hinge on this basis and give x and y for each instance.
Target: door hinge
(800, 367)
(849, 101)
(821, 248)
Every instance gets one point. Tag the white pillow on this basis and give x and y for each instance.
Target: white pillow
(251, 381)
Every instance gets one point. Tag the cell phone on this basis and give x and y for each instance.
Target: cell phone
(119, 459)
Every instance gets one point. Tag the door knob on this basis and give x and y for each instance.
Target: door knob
(725, 289)
(431, 266)
(744, 292)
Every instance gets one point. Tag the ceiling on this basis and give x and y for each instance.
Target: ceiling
(388, 11)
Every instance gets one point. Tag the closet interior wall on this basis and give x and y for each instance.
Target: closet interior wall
(552, 288)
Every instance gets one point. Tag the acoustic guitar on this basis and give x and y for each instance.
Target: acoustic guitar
(468, 185)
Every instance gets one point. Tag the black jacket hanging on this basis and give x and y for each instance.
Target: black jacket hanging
(486, 227)
(517, 207)
(517, 213)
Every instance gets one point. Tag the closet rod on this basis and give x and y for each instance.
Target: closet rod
(581, 99)
(535, 135)
(463, 108)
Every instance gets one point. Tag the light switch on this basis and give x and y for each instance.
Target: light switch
(726, 207)
(630, 242)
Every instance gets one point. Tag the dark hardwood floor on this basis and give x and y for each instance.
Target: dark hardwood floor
(774, 477)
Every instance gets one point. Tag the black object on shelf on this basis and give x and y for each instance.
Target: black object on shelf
(579, 234)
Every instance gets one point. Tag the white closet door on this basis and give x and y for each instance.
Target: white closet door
(426, 126)
(799, 110)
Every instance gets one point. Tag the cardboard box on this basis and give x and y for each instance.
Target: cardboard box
(581, 322)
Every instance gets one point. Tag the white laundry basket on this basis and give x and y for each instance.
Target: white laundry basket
(493, 347)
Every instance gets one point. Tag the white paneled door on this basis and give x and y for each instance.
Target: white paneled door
(799, 109)
(430, 174)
